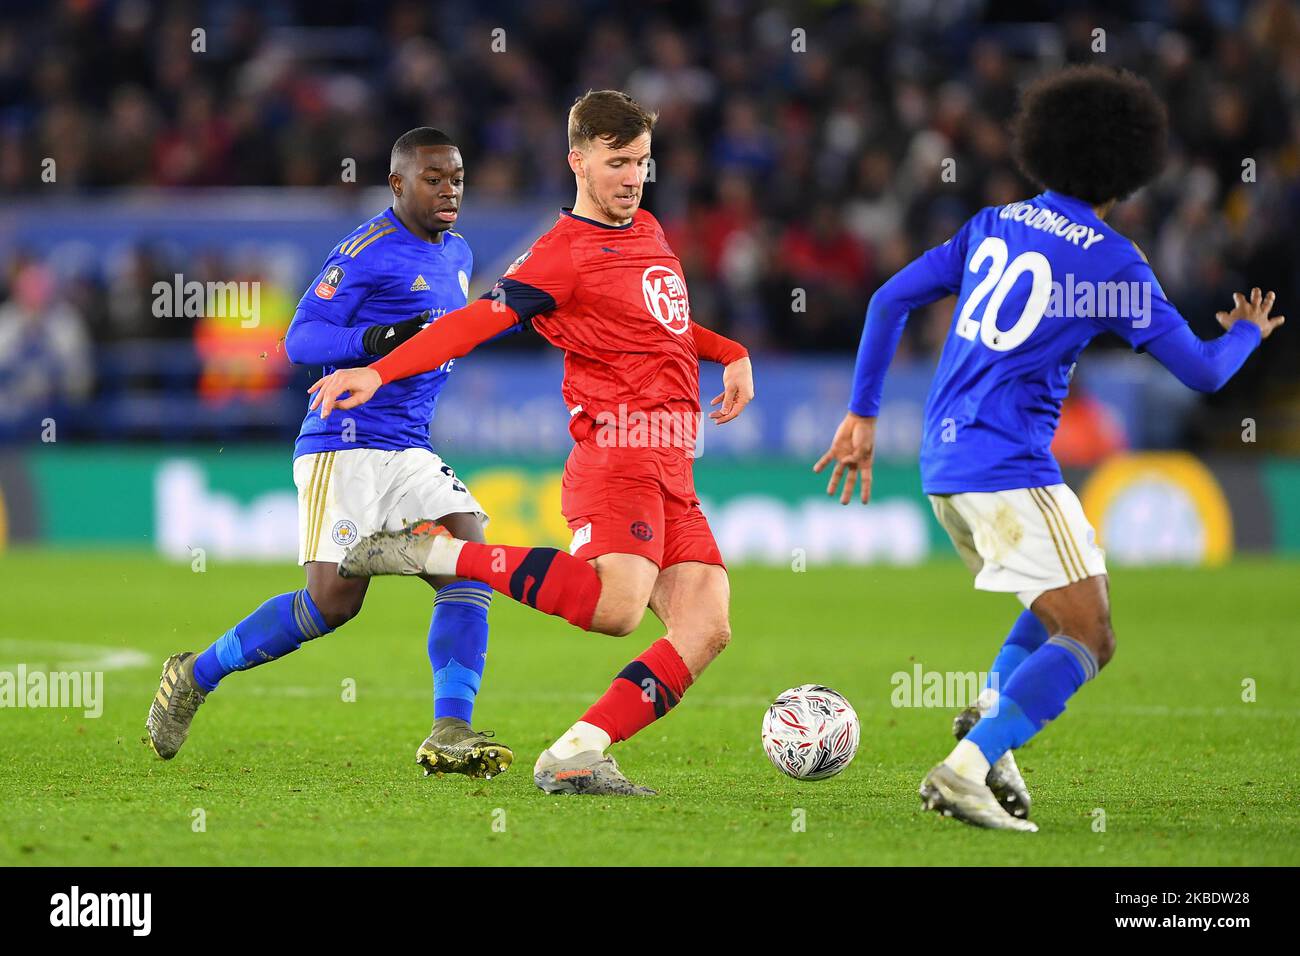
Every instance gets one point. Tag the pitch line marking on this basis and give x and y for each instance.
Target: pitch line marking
(64, 656)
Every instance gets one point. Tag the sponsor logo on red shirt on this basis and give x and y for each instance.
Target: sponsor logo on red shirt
(665, 298)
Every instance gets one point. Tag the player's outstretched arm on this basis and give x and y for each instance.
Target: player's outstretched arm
(1208, 365)
(451, 336)
(924, 280)
(315, 340)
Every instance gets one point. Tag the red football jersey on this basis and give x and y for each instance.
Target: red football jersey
(614, 299)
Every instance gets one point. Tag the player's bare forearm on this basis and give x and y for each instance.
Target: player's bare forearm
(852, 449)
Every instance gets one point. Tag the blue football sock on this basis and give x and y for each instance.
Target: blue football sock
(458, 638)
(1035, 694)
(276, 628)
(1027, 635)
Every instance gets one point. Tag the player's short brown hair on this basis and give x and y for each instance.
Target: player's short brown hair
(610, 115)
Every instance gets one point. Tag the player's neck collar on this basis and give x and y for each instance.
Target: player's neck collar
(1064, 199)
(568, 211)
(401, 227)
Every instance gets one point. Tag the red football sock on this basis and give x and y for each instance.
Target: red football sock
(642, 692)
(552, 581)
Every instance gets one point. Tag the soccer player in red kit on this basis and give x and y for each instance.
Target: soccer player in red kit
(604, 286)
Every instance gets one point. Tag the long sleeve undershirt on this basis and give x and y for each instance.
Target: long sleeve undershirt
(315, 340)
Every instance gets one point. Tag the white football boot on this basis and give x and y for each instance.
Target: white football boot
(1004, 779)
(421, 548)
(946, 791)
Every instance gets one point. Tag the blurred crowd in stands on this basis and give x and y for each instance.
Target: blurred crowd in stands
(800, 148)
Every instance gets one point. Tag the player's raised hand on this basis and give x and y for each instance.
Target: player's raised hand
(360, 384)
(737, 391)
(852, 450)
(1253, 310)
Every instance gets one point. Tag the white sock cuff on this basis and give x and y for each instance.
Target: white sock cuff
(580, 738)
(968, 761)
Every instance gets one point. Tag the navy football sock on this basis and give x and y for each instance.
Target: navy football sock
(458, 638)
(1035, 695)
(276, 628)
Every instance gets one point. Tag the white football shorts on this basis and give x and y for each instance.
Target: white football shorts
(344, 495)
(1024, 540)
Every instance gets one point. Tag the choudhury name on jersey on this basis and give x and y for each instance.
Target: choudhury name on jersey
(1048, 220)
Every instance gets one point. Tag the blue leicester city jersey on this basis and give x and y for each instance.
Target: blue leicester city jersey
(1035, 282)
(380, 274)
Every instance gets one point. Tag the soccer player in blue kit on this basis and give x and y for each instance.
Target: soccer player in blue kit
(1091, 137)
(373, 469)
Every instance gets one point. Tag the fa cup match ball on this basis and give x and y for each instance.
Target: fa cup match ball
(810, 732)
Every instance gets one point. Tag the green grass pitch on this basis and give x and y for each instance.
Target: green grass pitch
(285, 771)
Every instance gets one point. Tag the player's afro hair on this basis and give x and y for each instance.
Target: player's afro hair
(1090, 132)
(412, 139)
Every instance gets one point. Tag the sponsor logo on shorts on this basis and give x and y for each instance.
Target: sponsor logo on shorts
(641, 531)
(329, 282)
(344, 533)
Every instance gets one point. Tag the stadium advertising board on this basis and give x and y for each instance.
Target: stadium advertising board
(1149, 508)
